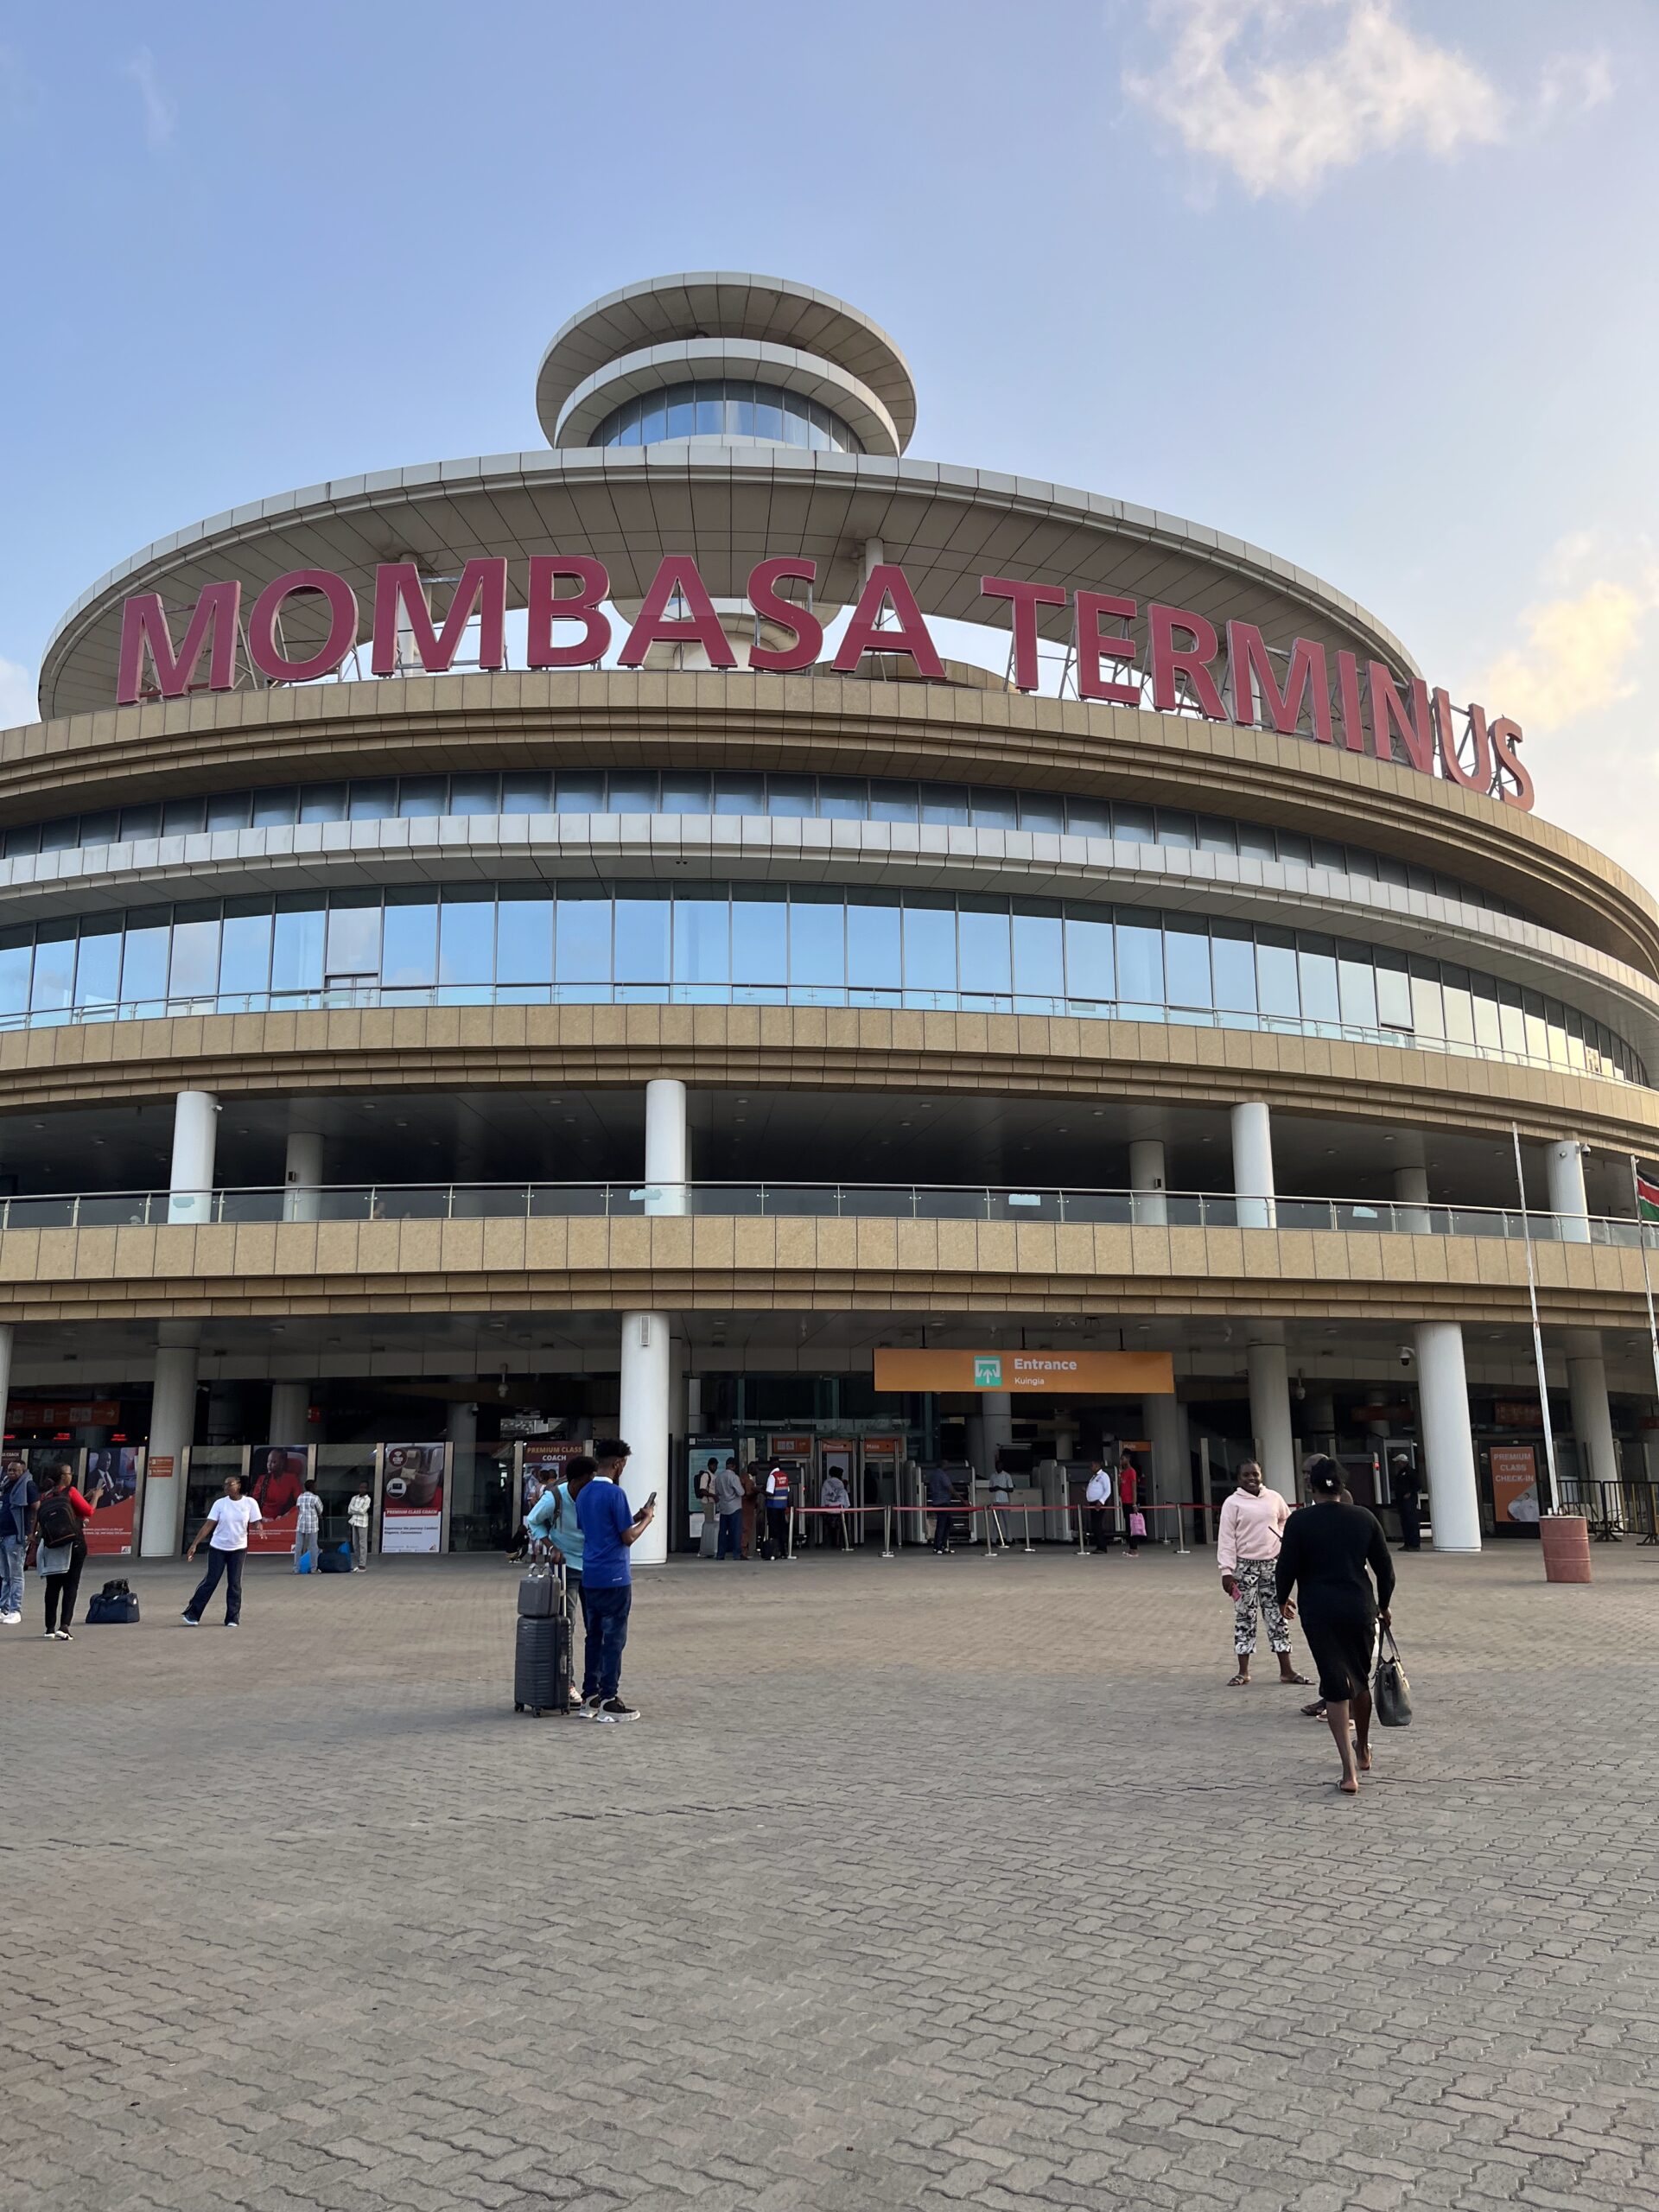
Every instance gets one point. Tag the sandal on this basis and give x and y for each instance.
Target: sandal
(1238, 1682)
(1315, 1711)
(1300, 1681)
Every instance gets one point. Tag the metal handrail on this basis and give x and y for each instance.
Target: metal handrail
(368, 1201)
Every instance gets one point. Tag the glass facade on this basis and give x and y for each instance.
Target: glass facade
(773, 945)
(727, 407)
(783, 797)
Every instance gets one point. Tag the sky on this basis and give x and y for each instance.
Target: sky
(1368, 283)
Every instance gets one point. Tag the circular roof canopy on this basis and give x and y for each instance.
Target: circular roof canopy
(724, 303)
(729, 505)
(656, 368)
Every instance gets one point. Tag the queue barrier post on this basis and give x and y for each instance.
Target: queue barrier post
(1083, 1546)
(789, 1535)
(1025, 1509)
(1180, 1536)
(887, 1532)
(989, 1515)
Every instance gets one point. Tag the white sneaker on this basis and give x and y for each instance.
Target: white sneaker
(9, 1620)
(190, 1620)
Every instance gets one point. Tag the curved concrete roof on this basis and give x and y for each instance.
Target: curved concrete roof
(654, 368)
(724, 303)
(729, 505)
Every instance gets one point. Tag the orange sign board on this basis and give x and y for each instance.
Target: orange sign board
(159, 1468)
(1515, 1485)
(1114, 1374)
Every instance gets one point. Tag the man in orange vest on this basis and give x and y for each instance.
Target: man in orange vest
(777, 1509)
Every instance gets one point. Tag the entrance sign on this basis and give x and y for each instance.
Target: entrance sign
(1115, 1374)
(1227, 675)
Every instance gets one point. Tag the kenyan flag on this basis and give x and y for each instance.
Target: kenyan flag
(1647, 1198)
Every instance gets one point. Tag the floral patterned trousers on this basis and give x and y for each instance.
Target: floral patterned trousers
(1252, 1592)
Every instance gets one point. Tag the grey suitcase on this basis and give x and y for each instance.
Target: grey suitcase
(541, 1667)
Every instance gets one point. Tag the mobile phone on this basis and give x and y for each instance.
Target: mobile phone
(646, 1507)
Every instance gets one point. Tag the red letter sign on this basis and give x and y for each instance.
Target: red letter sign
(398, 584)
(1388, 717)
(1092, 648)
(547, 607)
(342, 627)
(1479, 777)
(1168, 662)
(677, 572)
(1249, 665)
(143, 626)
(863, 636)
(802, 624)
(1506, 739)
(1027, 599)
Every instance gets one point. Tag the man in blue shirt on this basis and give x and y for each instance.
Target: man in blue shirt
(18, 1500)
(608, 1530)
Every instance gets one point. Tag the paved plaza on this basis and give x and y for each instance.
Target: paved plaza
(919, 1884)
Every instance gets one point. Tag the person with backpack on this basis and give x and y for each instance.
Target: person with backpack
(308, 1529)
(552, 1525)
(229, 1519)
(18, 1501)
(60, 1530)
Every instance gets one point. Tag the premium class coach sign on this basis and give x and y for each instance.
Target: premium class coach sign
(1166, 658)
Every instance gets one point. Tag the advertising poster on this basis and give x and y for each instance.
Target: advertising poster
(540, 1468)
(411, 1498)
(705, 1457)
(1514, 1485)
(276, 1475)
(110, 1486)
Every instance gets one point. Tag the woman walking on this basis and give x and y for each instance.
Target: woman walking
(60, 1528)
(1323, 1557)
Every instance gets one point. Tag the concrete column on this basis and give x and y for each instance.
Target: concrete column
(1270, 1415)
(1410, 1193)
(1253, 1168)
(290, 1404)
(1146, 1180)
(1448, 1448)
(1568, 1197)
(195, 1138)
(1172, 1462)
(172, 1430)
(1592, 1420)
(996, 1425)
(8, 1335)
(643, 1422)
(461, 1425)
(667, 1147)
(302, 1174)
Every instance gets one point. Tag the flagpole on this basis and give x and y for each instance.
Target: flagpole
(1647, 1277)
(1537, 1333)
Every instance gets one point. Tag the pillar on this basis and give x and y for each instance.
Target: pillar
(8, 1335)
(195, 1138)
(1146, 1180)
(995, 1426)
(1411, 1200)
(302, 1174)
(667, 1147)
(1592, 1420)
(172, 1431)
(1448, 1447)
(643, 1422)
(291, 1403)
(1253, 1168)
(1567, 1197)
(1172, 1461)
(1270, 1415)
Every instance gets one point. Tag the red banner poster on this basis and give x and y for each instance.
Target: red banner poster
(1514, 1485)
(110, 1486)
(276, 1475)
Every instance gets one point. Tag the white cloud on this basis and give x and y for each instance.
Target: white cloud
(19, 690)
(159, 113)
(1578, 650)
(1285, 92)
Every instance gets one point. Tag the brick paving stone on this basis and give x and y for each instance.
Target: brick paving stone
(921, 1883)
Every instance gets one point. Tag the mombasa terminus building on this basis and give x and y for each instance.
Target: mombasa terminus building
(514, 946)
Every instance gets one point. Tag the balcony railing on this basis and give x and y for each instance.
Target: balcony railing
(366, 1201)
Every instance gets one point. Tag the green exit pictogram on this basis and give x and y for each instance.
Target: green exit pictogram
(988, 1371)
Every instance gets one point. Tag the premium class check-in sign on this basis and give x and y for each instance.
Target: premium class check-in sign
(1109, 1374)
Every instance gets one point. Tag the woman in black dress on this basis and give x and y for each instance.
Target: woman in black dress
(1325, 1550)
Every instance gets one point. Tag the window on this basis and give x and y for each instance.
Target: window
(420, 797)
(1140, 965)
(523, 947)
(143, 964)
(194, 973)
(1186, 964)
(685, 793)
(1232, 956)
(323, 803)
(410, 958)
(873, 958)
(792, 798)
(1275, 973)
(353, 937)
(475, 795)
(580, 793)
(273, 809)
(759, 937)
(818, 940)
(581, 938)
(16, 959)
(642, 948)
(986, 954)
(948, 804)
(526, 794)
(98, 964)
(930, 930)
(244, 948)
(375, 799)
(1088, 958)
(180, 817)
(296, 944)
(55, 968)
(892, 801)
(1356, 989)
(1316, 962)
(702, 938)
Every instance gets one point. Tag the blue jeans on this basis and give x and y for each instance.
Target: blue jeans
(229, 1564)
(731, 1535)
(12, 1549)
(605, 1620)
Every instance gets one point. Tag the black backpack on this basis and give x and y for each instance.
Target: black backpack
(58, 1524)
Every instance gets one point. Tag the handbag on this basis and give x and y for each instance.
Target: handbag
(1390, 1691)
(1137, 1524)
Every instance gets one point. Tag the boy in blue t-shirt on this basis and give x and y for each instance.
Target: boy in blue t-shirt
(609, 1527)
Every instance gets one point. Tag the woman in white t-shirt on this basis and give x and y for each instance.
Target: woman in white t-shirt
(229, 1519)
